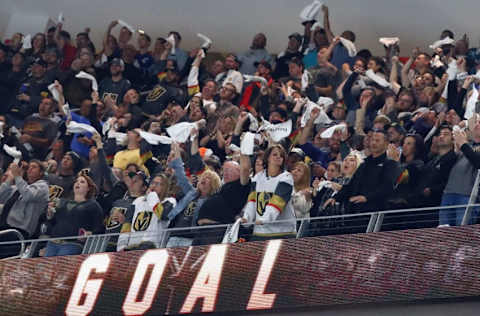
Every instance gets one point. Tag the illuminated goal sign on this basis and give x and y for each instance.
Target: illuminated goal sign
(348, 269)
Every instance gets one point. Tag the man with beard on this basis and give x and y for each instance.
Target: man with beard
(116, 86)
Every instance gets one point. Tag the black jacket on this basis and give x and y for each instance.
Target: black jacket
(374, 179)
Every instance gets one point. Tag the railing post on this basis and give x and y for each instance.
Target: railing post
(303, 226)
(473, 198)
(371, 223)
(378, 224)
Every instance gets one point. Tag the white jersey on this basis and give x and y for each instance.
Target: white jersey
(270, 200)
(147, 223)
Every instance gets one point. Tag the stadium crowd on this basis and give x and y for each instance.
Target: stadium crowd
(142, 136)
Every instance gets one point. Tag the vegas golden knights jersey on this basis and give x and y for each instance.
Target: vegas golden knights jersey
(269, 200)
(148, 222)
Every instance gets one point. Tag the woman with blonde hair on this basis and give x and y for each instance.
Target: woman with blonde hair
(302, 193)
(185, 213)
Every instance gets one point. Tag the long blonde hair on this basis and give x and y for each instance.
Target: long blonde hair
(304, 182)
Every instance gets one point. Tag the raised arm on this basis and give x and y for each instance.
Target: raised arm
(394, 75)
(407, 66)
(308, 129)
(326, 23)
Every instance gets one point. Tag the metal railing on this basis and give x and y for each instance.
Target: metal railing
(98, 243)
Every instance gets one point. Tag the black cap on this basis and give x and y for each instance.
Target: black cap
(143, 176)
(265, 63)
(282, 112)
(297, 61)
(40, 61)
(118, 62)
(296, 36)
(297, 151)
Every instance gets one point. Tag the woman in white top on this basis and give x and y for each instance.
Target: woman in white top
(270, 199)
(302, 193)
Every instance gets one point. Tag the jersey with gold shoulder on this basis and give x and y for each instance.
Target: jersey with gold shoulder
(269, 200)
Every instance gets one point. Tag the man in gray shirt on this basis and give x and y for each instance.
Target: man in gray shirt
(255, 54)
(462, 176)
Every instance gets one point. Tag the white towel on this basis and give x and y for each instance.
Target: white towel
(310, 11)
(171, 40)
(325, 101)
(253, 122)
(61, 19)
(120, 138)
(75, 127)
(66, 110)
(305, 80)
(207, 42)
(378, 79)
(84, 75)
(471, 103)
(321, 119)
(277, 131)
(27, 42)
(181, 131)
(231, 235)
(389, 41)
(54, 92)
(316, 25)
(155, 139)
(328, 133)
(128, 26)
(352, 50)
(249, 78)
(440, 43)
(247, 144)
(436, 62)
(13, 152)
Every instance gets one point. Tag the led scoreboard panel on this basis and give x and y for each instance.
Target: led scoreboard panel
(309, 272)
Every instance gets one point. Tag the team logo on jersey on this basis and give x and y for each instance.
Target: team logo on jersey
(112, 224)
(262, 200)
(114, 96)
(190, 209)
(142, 221)
(54, 192)
(156, 93)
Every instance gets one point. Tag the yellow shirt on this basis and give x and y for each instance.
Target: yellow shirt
(128, 156)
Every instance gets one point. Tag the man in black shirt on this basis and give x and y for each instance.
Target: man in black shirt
(226, 204)
(116, 86)
(294, 43)
(372, 184)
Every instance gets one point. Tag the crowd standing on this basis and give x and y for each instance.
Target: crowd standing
(160, 139)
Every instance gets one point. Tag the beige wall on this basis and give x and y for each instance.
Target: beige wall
(232, 24)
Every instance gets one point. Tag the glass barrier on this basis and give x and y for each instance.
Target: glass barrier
(213, 234)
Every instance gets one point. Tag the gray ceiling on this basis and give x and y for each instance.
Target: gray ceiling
(232, 24)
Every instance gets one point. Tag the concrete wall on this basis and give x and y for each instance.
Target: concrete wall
(232, 24)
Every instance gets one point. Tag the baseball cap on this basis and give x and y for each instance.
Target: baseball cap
(117, 62)
(52, 50)
(298, 151)
(297, 61)
(296, 36)
(265, 63)
(142, 176)
(40, 61)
